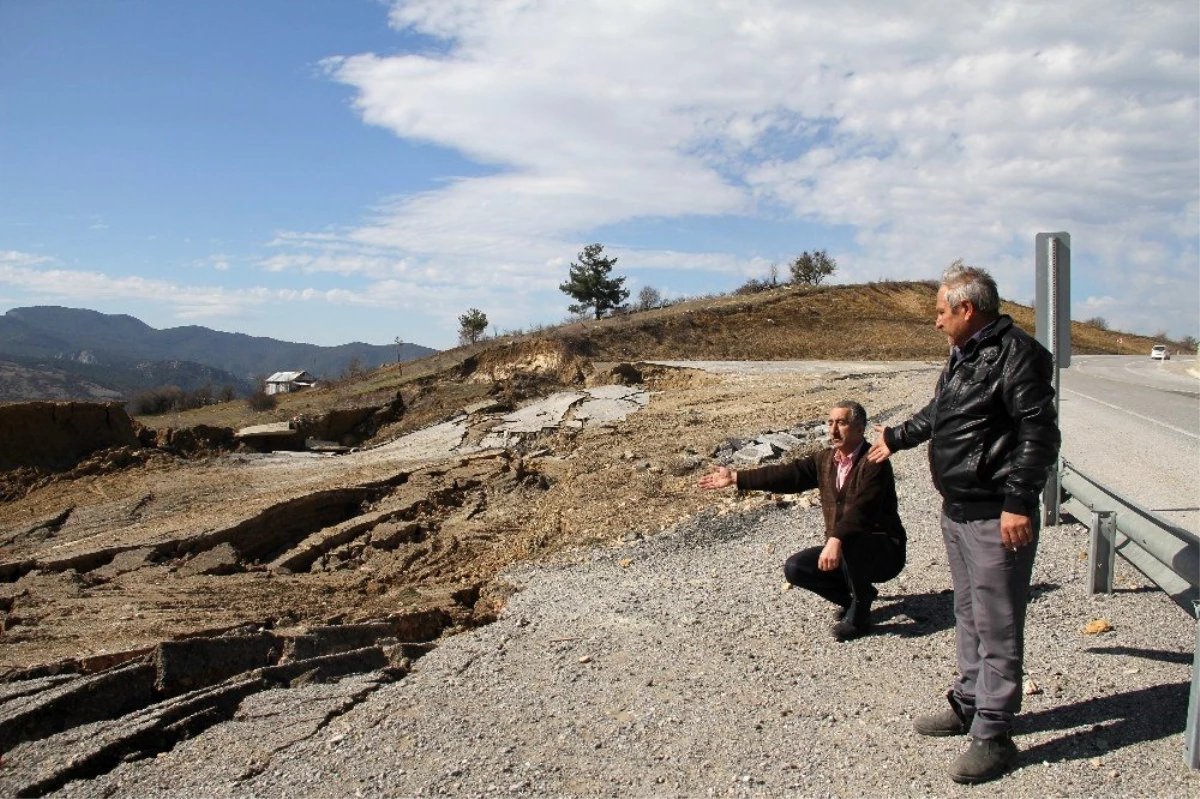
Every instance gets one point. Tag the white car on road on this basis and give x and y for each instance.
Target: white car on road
(1159, 352)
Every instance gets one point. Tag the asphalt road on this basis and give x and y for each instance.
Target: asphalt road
(1133, 425)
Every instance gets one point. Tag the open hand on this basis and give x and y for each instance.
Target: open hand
(719, 477)
(879, 451)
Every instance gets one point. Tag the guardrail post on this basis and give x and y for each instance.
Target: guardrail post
(1052, 327)
(1102, 552)
(1192, 736)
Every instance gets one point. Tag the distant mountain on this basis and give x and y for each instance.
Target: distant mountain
(62, 353)
(24, 379)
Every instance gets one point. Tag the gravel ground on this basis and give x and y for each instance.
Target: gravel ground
(680, 666)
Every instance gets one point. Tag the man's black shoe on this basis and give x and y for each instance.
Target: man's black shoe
(839, 613)
(985, 759)
(951, 721)
(848, 629)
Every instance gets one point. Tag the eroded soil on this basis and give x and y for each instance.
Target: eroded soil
(167, 547)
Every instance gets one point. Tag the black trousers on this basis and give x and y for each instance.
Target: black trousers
(867, 558)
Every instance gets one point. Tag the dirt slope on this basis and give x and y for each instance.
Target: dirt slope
(877, 321)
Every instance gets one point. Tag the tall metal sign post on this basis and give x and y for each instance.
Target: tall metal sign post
(1052, 327)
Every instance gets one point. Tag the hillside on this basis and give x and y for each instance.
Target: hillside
(72, 353)
(877, 321)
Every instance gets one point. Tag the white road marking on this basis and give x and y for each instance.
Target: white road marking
(1187, 433)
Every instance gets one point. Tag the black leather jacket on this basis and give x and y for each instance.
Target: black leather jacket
(991, 426)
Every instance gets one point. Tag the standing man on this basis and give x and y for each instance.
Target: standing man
(993, 438)
(864, 539)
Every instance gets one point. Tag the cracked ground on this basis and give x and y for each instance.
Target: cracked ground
(117, 562)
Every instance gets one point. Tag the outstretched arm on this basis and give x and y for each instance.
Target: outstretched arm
(907, 434)
(785, 478)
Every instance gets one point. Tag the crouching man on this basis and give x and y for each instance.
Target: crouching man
(864, 539)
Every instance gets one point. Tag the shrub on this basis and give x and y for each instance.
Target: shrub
(165, 399)
(753, 286)
(154, 401)
(262, 401)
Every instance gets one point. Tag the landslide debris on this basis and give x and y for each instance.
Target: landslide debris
(144, 545)
(193, 572)
(115, 564)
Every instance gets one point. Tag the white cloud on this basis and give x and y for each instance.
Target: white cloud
(931, 130)
(30, 275)
(899, 136)
(36, 279)
(217, 261)
(12, 259)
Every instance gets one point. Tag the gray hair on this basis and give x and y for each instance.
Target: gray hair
(970, 283)
(858, 413)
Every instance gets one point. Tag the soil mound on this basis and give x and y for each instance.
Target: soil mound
(535, 358)
(57, 435)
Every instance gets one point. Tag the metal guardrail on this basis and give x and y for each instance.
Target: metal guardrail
(1166, 553)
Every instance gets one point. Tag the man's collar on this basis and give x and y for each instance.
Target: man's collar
(853, 456)
(973, 341)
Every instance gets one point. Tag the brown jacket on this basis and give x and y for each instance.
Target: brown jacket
(866, 504)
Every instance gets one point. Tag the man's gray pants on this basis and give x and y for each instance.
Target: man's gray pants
(991, 592)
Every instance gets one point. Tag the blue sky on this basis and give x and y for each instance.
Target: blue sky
(337, 170)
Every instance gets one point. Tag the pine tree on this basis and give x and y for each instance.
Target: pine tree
(471, 326)
(590, 284)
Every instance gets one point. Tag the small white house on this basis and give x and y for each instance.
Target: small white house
(287, 382)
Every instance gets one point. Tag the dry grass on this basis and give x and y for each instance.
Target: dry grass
(886, 320)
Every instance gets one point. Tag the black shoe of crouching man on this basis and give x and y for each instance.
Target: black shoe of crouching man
(852, 627)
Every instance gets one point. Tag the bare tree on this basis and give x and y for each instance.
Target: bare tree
(354, 368)
(649, 297)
